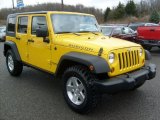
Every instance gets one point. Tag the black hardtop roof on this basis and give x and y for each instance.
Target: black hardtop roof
(26, 13)
(43, 12)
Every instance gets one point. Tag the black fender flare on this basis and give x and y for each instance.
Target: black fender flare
(13, 47)
(100, 65)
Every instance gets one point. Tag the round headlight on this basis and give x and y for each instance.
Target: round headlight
(111, 58)
(140, 52)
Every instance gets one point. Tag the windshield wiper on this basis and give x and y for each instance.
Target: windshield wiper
(68, 32)
(88, 32)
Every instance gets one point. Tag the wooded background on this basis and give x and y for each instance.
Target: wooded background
(130, 12)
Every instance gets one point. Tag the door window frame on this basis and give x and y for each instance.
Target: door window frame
(32, 22)
(18, 23)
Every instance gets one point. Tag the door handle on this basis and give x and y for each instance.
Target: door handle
(29, 40)
(18, 38)
(152, 30)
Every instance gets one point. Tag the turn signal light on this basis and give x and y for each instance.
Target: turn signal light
(91, 67)
(112, 69)
(143, 61)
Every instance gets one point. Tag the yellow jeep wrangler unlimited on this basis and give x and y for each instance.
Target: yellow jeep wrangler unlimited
(71, 45)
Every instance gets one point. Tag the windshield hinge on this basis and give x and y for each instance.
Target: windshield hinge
(100, 51)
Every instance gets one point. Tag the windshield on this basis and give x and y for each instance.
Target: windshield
(74, 23)
(151, 24)
(135, 26)
(107, 30)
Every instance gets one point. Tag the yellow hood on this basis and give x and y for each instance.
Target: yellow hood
(94, 42)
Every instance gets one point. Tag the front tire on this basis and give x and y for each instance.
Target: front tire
(14, 67)
(78, 91)
(147, 48)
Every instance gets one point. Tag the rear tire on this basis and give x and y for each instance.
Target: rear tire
(14, 67)
(82, 98)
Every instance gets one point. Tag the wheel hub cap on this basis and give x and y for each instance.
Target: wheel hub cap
(75, 90)
(10, 63)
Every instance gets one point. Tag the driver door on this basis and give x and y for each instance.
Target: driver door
(39, 51)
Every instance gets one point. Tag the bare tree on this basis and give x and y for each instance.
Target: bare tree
(54, 7)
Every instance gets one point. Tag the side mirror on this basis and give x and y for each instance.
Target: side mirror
(42, 33)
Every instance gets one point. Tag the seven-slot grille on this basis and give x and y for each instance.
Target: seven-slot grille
(128, 59)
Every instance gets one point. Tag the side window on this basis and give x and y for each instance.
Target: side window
(22, 24)
(11, 24)
(38, 22)
(126, 30)
(117, 31)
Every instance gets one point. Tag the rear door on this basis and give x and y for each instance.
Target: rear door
(22, 36)
(154, 33)
(149, 33)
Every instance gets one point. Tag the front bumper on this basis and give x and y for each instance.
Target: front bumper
(151, 43)
(126, 81)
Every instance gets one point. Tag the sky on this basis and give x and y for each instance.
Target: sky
(102, 4)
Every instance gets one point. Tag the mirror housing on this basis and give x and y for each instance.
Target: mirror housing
(46, 40)
(42, 33)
